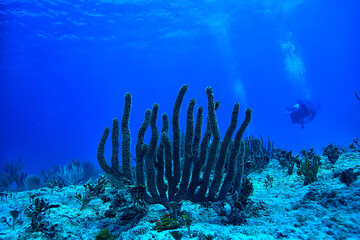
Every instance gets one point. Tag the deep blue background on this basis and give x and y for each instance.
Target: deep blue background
(66, 65)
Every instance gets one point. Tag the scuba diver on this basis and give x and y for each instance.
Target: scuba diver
(303, 111)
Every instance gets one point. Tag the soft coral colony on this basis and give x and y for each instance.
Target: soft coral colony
(160, 170)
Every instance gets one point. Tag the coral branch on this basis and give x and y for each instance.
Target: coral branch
(160, 162)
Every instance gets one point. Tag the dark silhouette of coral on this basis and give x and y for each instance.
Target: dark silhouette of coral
(10, 173)
(309, 166)
(355, 146)
(286, 159)
(333, 152)
(349, 176)
(158, 167)
(257, 154)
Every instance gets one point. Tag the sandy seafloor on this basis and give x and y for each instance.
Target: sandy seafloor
(326, 209)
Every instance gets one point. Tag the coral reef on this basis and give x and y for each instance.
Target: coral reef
(11, 173)
(355, 146)
(32, 182)
(309, 166)
(257, 154)
(167, 222)
(75, 172)
(104, 235)
(286, 159)
(39, 222)
(333, 152)
(288, 210)
(348, 176)
(162, 161)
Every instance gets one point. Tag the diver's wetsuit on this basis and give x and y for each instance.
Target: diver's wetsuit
(304, 113)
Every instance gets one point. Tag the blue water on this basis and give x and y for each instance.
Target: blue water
(66, 65)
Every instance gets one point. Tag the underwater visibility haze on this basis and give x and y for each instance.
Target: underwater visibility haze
(66, 65)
